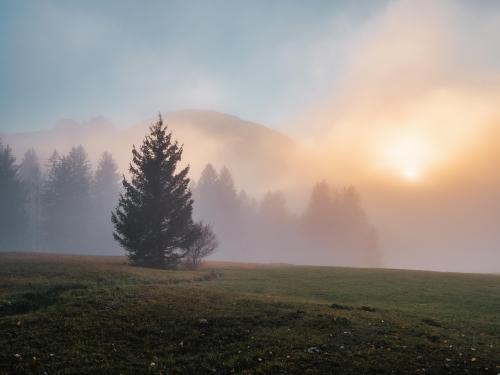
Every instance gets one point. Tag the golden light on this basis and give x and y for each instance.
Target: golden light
(412, 140)
(411, 174)
(405, 155)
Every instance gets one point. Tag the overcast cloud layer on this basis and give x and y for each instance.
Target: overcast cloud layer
(128, 59)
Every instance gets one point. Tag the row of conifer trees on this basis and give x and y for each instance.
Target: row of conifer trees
(72, 209)
(64, 207)
(68, 209)
(332, 228)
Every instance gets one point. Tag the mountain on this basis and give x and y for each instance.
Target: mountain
(253, 152)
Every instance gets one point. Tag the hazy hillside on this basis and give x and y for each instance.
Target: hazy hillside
(412, 234)
(252, 151)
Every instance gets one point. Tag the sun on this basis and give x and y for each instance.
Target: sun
(411, 174)
(406, 156)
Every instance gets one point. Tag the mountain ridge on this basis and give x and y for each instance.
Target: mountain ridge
(252, 151)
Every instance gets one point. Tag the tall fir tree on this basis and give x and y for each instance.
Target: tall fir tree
(105, 192)
(66, 202)
(31, 176)
(153, 221)
(317, 218)
(51, 202)
(274, 207)
(205, 194)
(227, 190)
(12, 200)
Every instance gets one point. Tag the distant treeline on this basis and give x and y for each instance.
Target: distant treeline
(332, 229)
(65, 206)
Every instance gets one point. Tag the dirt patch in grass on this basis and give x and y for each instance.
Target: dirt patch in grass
(338, 306)
(368, 308)
(431, 322)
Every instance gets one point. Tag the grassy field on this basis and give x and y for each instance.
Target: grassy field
(77, 315)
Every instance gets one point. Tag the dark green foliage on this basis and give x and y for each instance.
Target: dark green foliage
(13, 218)
(153, 220)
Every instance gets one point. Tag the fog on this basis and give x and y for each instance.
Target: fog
(416, 128)
(413, 125)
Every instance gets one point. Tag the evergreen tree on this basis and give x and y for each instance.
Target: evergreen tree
(227, 191)
(66, 202)
(317, 218)
(356, 229)
(353, 216)
(106, 179)
(12, 199)
(105, 192)
(51, 202)
(232, 215)
(208, 177)
(276, 225)
(31, 176)
(153, 221)
(205, 194)
(274, 208)
(247, 203)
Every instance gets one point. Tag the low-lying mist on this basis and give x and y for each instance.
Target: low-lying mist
(263, 206)
(414, 126)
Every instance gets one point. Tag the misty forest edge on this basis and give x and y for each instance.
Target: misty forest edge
(153, 220)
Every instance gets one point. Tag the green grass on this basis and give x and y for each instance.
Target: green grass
(77, 315)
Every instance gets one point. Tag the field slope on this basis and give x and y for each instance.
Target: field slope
(77, 315)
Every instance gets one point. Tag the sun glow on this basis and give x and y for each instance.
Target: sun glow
(411, 174)
(406, 156)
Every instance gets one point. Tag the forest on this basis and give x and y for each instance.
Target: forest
(64, 205)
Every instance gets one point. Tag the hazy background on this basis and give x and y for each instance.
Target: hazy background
(398, 98)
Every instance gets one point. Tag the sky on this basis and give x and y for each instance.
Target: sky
(128, 59)
(399, 98)
(266, 61)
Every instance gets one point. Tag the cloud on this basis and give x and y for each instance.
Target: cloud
(406, 77)
(413, 121)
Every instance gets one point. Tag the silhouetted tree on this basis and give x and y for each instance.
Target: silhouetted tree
(339, 225)
(247, 203)
(317, 218)
(204, 245)
(153, 220)
(12, 200)
(230, 213)
(31, 177)
(277, 227)
(274, 208)
(208, 177)
(54, 197)
(105, 192)
(227, 188)
(66, 202)
(356, 231)
(205, 193)
(352, 214)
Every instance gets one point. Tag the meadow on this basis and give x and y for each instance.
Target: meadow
(79, 314)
